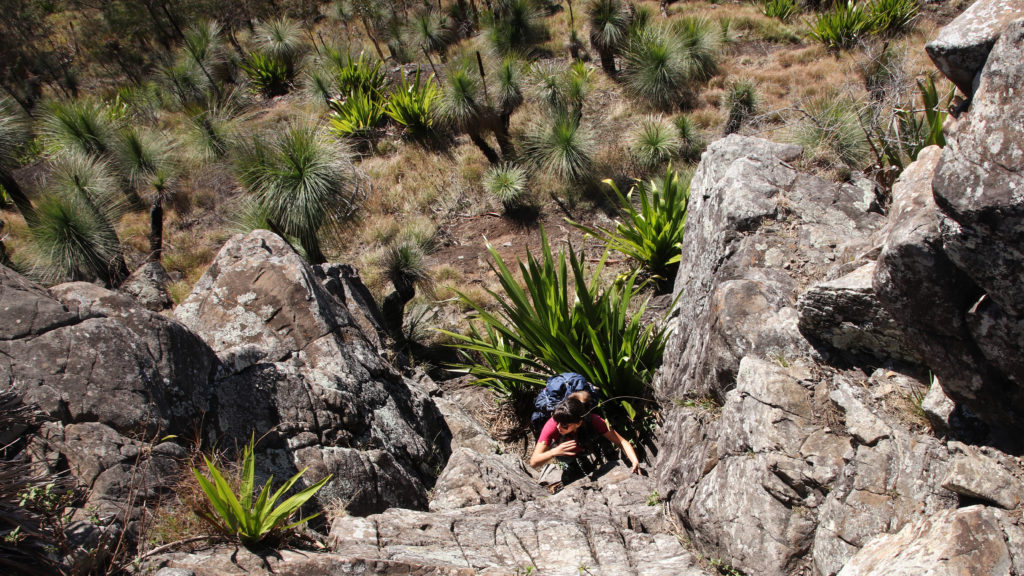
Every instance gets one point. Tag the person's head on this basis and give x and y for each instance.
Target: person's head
(569, 414)
(585, 397)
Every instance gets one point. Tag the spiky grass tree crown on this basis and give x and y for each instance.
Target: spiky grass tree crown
(81, 125)
(304, 182)
(282, 39)
(462, 99)
(430, 31)
(609, 29)
(72, 236)
(562, 146)
(14, 132)
(741, 102)
(516, 26)
(655, 142)
(656, 67)
(507, 183)
(831, 133)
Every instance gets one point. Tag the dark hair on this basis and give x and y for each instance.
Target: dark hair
(570, 411)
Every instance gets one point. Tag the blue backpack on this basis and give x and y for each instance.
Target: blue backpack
(557, 389)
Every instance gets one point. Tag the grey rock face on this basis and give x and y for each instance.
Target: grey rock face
(962, 46)
(605, 530)
(91, 355)
(975, 475)
(970, 540)
(148, 285)
(979, 188)
(472, 479)
(747, 204)
(846, 315)
(296, 366)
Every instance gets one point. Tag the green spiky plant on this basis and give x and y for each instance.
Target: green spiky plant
(357, 115)
(609, 30)
(741, 102)
(303, 181)
(657, 67)
(464, 107)
(283, 41)
(405, 267)
(892, 17)
(148, 162)
(562, 88)
(14, 133)
(561, 146)
(81, 125)
(430, 31)
(561, 319)
(362, 73)
(831, 133)
(72, 235)
(783, 10)
(269, 76)
(414, 105)
(655, 142)
(702, 39)
(692, 142)
(248, 516)
(507, 183)
(185, 81)
(516, 26)
(653, 235)
(843, 26)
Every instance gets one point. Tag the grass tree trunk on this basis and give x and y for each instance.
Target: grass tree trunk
(607, 61)
(17, 195)
(393, 308)
(501, 134)
(156, 230)
(484, 147)
(314, 254)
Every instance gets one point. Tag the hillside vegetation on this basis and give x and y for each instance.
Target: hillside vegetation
(409, 138)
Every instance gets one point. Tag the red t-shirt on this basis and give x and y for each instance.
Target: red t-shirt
(549, 433)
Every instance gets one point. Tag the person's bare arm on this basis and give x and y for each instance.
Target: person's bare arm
(541, 455)
(627, 449)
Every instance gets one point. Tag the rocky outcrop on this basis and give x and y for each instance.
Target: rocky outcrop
(972, 540)
(774, 459)
(148, 285)
(298, 370)
(962, 47)
(949, 269)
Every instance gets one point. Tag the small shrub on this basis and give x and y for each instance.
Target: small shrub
(362, 74)
(653, 235)
(692, 143)
(831, 134)
(892, 17)
(842, 26)
(507, 183)
(783, 10)
(356, 115)
(741, 103)
(655, 142)
(249, 520)
(561, 146)
(414, 106)
(269, 75)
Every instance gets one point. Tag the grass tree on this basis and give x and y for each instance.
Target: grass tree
(14, 133)
(609, 29)
(465, 107)
(405, 267)
(302, 180)
(561, 145)
(147, 161)
(508, 96)
(72, 235)
(507, 182)
(516, 26)
(82, 125)
(831, 133)
(741, 102)
(663, 63)
(655, 142)
(430, 31)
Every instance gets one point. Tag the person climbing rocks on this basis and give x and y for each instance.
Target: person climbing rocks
(566, 446)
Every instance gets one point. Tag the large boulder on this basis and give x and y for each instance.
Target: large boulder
(757, 232)
(962, 47)
(114, 379)
(298, 371)
(86, 354)
(972, 540)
